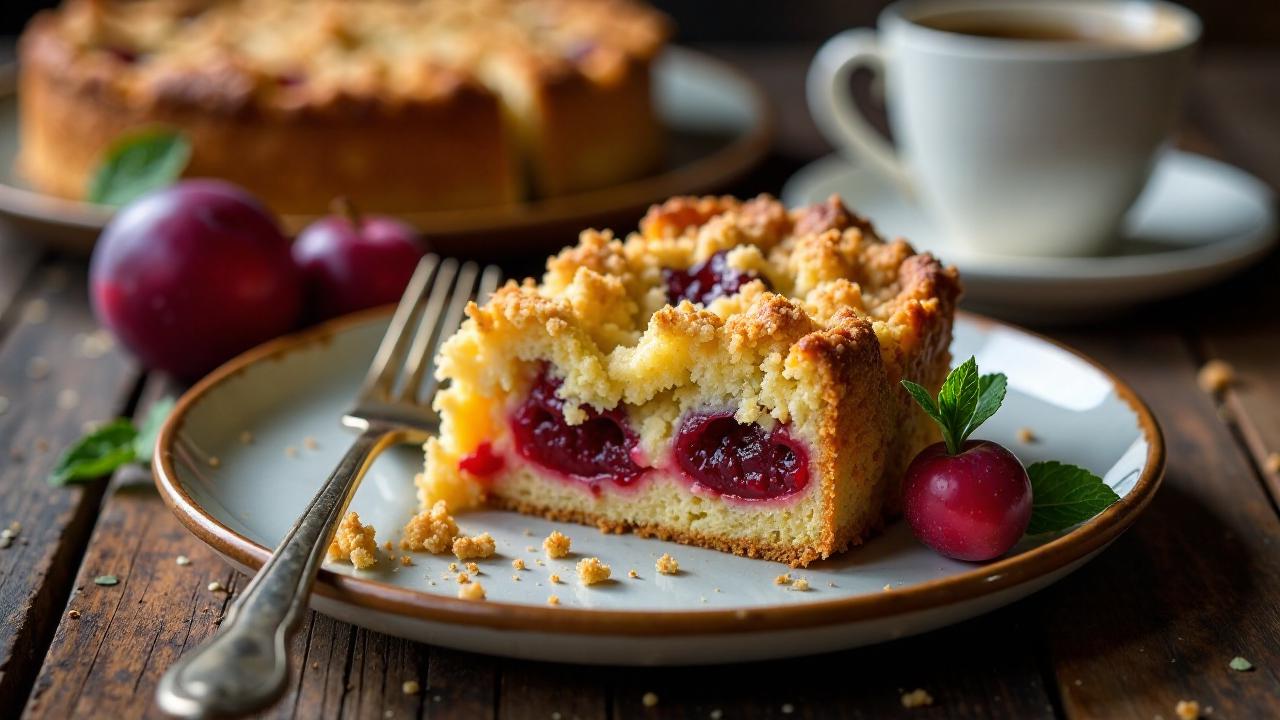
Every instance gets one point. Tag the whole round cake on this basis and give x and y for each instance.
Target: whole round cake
(401, 105)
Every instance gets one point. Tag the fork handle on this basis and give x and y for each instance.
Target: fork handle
(244, 666)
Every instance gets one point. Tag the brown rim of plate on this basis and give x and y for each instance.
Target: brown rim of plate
(981, 580)
(696, 177)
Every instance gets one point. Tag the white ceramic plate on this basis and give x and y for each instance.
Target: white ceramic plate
(720, 608)
(1198, 222)
(718, 122)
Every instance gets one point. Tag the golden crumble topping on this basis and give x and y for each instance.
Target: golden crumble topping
(592, 571)
(557, 544)
(471, 591)
(1216, 376)
(481, 546)
(430, 530)
(667, 565)
(518, 563)
(283, 55)
(354, 542)
(820, 288)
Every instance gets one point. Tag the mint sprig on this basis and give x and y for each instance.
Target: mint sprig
(1065, 495)
(965, 401)
(138, 163)
(1062, 495)
(111, 446)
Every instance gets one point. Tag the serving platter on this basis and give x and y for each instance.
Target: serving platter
(719, 125)
(271, 419)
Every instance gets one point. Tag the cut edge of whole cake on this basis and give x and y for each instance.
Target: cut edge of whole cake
(727, 377)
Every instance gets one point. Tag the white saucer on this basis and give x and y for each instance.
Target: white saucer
(1198, 222)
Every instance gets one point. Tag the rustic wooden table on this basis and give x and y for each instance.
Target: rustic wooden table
(1152, 621)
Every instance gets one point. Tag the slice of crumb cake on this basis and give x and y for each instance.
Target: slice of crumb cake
(726, 377)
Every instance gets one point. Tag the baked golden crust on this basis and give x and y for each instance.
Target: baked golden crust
(819, 341)
(422, 105)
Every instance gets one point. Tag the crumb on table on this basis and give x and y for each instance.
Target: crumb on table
(1187, 709)
(916, 698)
(649, 699)
(557, 544)
(667, 565)
(410, 687)
(471, 591)
(1216, 376)
(592, 571)
(430, 530)
(354, 542)
(1273, 463)
(480, 546)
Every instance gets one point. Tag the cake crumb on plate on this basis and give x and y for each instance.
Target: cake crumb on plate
(354, 542)
(800, 584)
(553, 600)
(667, 565)
(1026, 436)
(480, 546)
(592, 571)
(518, 563)
(557, 544)
(430, 530)
(783, 579)
(471, 591)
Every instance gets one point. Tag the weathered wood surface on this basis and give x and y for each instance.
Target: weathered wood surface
(1153, 620)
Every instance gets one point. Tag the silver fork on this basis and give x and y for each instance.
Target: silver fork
(244, 666)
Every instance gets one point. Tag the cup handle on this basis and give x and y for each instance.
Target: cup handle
(834, 110)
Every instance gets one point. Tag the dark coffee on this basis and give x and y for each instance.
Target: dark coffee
(1012, 27)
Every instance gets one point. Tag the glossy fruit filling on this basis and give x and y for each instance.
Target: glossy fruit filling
(706, 281)
(483, 462)
(596, 450)
(747, 461)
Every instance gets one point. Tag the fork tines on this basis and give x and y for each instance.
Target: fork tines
(430, 311)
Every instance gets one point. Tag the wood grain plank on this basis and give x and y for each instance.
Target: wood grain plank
(53, 388)
(1238, 109)
(1157, 617)
(535, 690)
(985, 668)
(113, 642)
(18, 260)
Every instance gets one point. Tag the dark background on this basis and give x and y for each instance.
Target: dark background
(1226, 21)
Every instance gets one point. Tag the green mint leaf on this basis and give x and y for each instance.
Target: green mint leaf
(957, 401)
(138, 163)
(924, 399)
(1065, 495)
(144, 445)
(96, 454)
(991, 390)
(1239, 664)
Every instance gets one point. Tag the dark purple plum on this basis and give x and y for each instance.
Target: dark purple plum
(191, 275)
(351, 262)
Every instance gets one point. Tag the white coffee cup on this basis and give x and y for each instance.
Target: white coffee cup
(1015, 146)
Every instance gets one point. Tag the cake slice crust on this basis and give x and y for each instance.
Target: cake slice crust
(726, 377)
